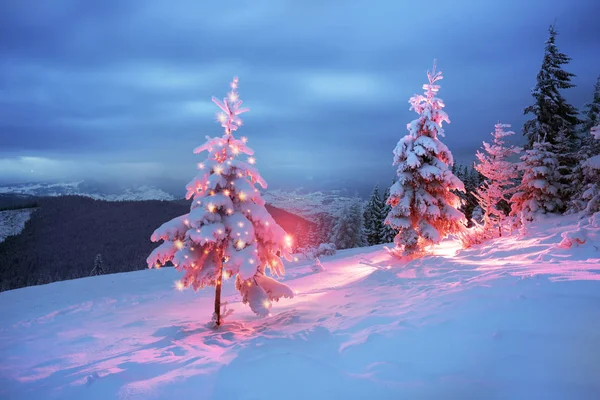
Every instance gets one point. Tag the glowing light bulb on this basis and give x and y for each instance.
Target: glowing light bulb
(288, 240)
(267, 303)
(251, 261)
(251, 160)
(244, 139)
(179, 244)
(249, 283)
(218, 169)
(242, 196)
(235, 150)
(179, 285)
(241, 224)
(187, 222)
(157, 265)
(233, 96)
(240, 244)
(200, 165)
(229, 211)
(211, 207)
(226, 192)
(220, 231)
(222, 117)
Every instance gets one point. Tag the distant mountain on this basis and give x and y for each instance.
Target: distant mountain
(94, 190)
(310, 204)
(307, 204)
(62, 238)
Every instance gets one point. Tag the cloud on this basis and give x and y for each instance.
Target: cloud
(106, 83)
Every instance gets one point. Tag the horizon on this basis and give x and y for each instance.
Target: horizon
(91, 91)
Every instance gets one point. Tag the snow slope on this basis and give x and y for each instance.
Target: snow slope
(514, 319)
(12, 222)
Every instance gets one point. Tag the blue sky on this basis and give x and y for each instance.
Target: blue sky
(113, 89)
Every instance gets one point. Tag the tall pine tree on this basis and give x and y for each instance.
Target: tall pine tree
(424, 209)
(551, 112)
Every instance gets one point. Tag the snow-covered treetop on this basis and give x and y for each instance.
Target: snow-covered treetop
(429, 107)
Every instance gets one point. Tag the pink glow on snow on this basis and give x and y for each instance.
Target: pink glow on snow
(138, 333)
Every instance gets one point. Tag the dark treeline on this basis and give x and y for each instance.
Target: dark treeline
(65, 235)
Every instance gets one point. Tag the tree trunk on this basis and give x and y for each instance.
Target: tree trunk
(218, 296)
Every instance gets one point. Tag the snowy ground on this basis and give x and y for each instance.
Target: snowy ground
(12, 222)
(515, 319)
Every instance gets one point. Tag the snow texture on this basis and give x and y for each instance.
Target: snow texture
(513, 319)
(12, 222)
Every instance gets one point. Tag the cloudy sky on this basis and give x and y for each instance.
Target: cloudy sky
(112, 89)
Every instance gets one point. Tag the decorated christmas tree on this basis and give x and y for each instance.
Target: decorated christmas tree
(424, 209)
(228, 233)
(499, 175)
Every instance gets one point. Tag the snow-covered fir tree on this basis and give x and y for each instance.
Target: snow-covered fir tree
(591, 179)
(349, 231)
(588, 147)
(591, 113)
(387, 232)
(552, 114)
(98, 266)
(228, 233)
(539, 190)
(374, 218)
(499, 175)
(424, 209)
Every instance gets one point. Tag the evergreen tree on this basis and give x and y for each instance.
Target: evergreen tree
(592, 113)
(228, 232)
(424, 209)
(591, 179)
(499, 175)
(299, 237)
(387, 232)
(349, 231)
(374, 218)
(539, 190)
(325, 228)
(98, 266)
(551, 112)
(588, 147)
